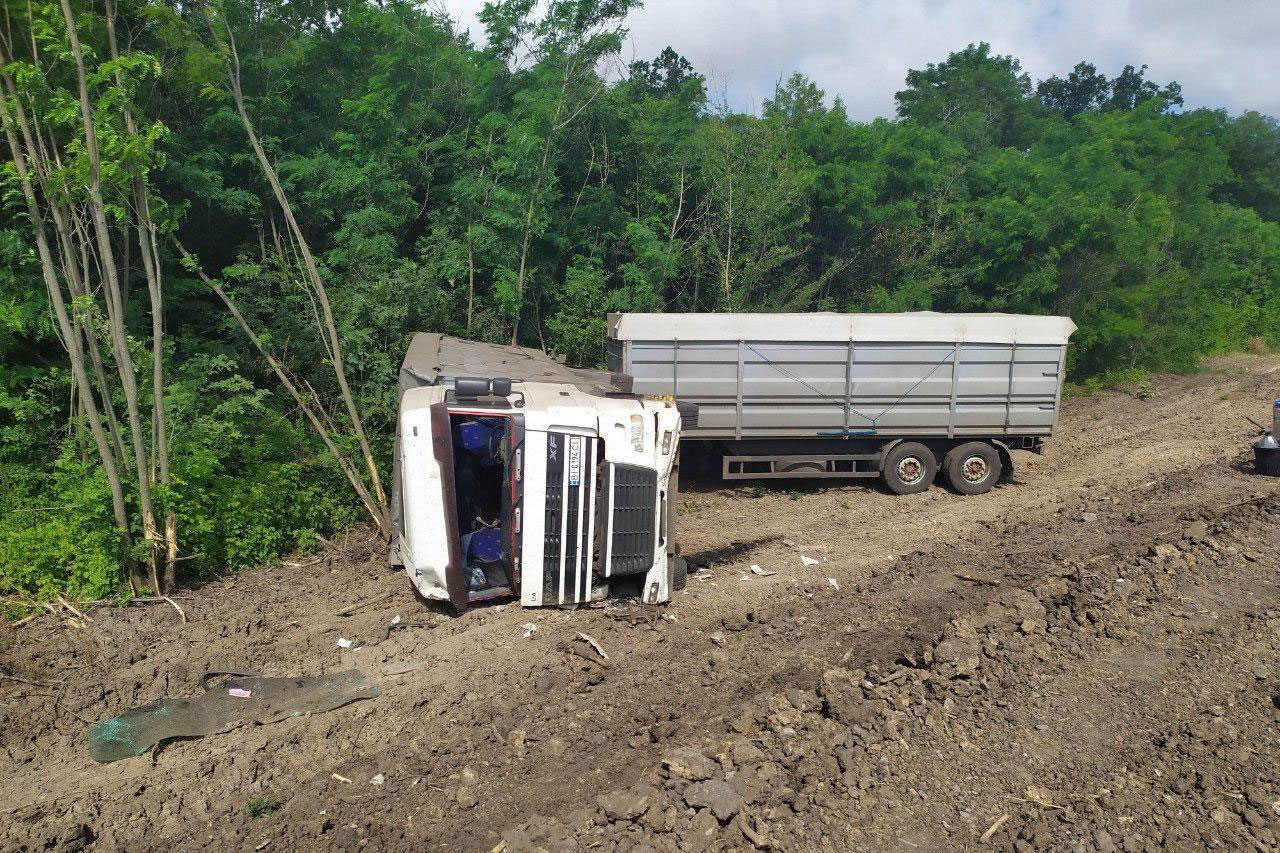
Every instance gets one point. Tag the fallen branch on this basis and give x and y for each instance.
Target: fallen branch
(115, 602)
(347, 611)
(759, 841)
(181, 613)
(994, 828)
(7, 677)
(72, 608)
(979, 580)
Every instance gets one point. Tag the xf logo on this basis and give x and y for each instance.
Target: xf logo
(553, 451)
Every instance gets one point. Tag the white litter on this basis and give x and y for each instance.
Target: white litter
(835, 584)
(809, 561)
(591, 641)
(396, 621)
(529, 628)
(378, 779)
(240, 692)
(756, 570)
(344, 643)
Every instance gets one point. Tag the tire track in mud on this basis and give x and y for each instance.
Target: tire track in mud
(948, 736)
(784, 646)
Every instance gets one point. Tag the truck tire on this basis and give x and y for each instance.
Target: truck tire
(972, 468)
(909, 468)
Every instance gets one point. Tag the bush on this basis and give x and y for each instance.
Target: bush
(250, 484)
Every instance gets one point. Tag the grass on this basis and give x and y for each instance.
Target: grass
(260, 807)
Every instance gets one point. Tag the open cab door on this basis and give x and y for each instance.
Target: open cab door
(461, 492)
(431, 546)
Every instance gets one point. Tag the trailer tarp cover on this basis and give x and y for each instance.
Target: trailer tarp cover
(909, 327)
(824, 375)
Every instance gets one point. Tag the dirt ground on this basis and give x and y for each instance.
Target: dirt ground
(1084, 659)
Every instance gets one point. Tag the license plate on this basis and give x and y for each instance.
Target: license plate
(575, 461)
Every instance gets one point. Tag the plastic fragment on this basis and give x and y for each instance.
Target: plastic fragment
(529, 628)
(378, 779)
(756, 570)
(809, 561)
(835, 584)
(240, 692)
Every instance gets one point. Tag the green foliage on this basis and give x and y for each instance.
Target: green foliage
(516, 191)
(260, 806)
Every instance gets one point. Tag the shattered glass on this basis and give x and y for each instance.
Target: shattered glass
(234, 702)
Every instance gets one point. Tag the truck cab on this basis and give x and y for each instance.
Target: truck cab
(534, 490)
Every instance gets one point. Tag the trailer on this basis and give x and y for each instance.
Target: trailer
(897, 396)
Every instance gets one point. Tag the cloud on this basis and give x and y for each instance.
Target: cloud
(1224, 54)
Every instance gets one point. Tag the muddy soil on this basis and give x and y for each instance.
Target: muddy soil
(1087, 658)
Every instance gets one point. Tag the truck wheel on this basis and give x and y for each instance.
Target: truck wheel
(972, 468)
(909, 468)
(679, 573)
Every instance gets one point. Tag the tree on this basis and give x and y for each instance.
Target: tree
(984, 97)
(1083, 89)
(1131, 89)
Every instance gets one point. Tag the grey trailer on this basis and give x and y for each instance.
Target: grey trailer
(901, 396)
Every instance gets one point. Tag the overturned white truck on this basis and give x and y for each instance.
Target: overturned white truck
(516, 476)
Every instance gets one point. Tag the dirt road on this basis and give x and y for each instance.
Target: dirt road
(1084, 659)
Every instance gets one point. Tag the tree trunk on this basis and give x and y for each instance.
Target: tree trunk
(150, 251)
(329, 328)
(108, 269)
(70, 336)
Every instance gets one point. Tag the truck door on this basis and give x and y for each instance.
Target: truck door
(442, 447)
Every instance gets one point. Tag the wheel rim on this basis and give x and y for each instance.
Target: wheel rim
(975, 469)
(911, 470)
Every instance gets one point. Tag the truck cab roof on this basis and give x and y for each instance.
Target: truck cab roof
(435, 359)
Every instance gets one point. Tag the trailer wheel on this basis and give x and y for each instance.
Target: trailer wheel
(972, 468)
(909, 468)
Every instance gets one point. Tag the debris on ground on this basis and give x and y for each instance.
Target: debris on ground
(257, 700)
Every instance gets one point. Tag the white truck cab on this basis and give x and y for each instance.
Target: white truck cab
(538, 490)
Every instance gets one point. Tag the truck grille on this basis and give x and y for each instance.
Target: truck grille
(635, 498)
(568, 555)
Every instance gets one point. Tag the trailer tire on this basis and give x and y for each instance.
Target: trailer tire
(908, 468)
(973, 468)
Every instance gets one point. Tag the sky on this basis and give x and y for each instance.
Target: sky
(1225, 53)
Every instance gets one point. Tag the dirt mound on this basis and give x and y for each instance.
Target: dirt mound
(1083, 659)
